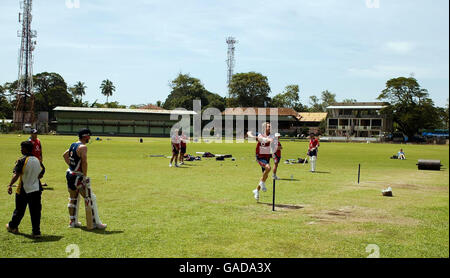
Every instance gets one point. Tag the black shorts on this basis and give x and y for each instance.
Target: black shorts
(183, 149)
(73, 181)
(312, 153)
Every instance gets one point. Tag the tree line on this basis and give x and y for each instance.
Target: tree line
(410, 106)
(50, 90)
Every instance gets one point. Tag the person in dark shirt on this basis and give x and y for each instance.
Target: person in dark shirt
(77, 179)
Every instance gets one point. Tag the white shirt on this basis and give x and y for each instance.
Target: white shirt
(30, 174)
(175, 139)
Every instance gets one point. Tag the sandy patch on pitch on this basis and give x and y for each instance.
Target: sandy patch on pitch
(356, 214)
(408, 186)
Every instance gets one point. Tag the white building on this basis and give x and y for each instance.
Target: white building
(358, 119)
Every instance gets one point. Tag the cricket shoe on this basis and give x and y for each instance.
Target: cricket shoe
(100, 226)
(275, 177)
(263, 186)
(13, 231)
(74, 224)
(256, 194)
(176, 165)
(36, 236)
(170, 165)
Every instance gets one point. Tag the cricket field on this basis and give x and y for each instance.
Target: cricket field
(206, 209)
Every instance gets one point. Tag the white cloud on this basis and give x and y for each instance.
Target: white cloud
(389, 71)
(399, 47)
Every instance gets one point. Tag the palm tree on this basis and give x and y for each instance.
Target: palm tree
(78, 90)
(107, 88)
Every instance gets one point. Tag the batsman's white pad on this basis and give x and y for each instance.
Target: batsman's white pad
(95, 209)
(313, 163)
(77, 206)
(93, 204)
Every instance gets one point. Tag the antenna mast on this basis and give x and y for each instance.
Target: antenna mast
(230, 61)
(24, 112)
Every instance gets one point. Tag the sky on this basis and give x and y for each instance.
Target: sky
(348, 47)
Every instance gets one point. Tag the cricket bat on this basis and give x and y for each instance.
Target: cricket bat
(304, 161)
(88, 206)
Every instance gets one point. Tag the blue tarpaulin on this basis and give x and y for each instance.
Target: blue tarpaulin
(431, 134)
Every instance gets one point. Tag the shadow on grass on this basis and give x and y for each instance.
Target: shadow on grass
(48, 188)
(288, 179)
(320, 172)
(282, 206)
(102, 232)
(44, 238)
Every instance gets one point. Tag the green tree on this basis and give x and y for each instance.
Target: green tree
(289, 98)
(186, 89)
(78, 90)
(349, 100)
(114, 104)
(249, 90)
(107, 88)
(315, 105)
(6, 109)
(50, 91)
(410, 107)
(216, 101)
(328, 99)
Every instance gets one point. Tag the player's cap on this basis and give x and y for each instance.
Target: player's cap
(84, 132)
(34, 131)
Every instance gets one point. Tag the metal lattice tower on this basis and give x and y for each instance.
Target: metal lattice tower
(24, 112)
(230, 61)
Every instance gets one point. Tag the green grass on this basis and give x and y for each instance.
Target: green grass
(206, 208)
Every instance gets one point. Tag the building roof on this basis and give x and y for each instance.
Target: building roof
(254, 111)
(122, 110)
(358, 105)
(312, 117)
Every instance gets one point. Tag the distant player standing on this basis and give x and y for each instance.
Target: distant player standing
(276, 154)
(77, 179)
(312, 151)
(263, 155)
(175, 140)
(37, 148)
(183, 141)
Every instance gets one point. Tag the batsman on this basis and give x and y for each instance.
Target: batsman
(78, 183)
(313, 149)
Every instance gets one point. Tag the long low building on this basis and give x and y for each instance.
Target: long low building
(116, 121)
(358, 119)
